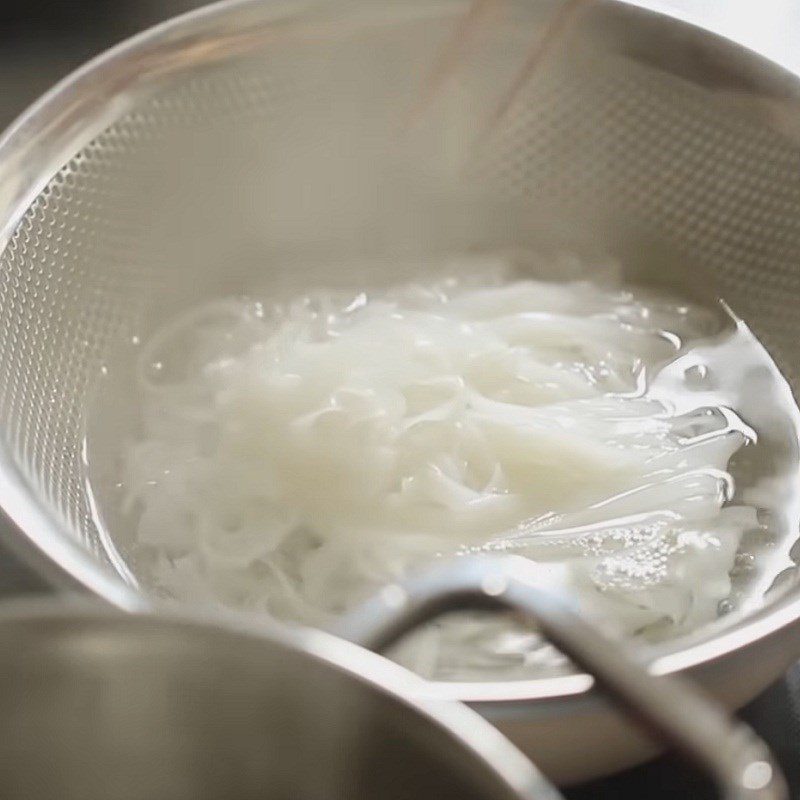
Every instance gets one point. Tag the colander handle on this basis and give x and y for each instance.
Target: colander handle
(672, 711)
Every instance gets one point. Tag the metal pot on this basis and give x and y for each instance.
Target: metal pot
(96, 703)
(90, 214)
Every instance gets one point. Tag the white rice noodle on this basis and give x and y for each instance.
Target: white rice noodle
(297, 458)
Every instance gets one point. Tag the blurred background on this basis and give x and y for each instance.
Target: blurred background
(43, 40)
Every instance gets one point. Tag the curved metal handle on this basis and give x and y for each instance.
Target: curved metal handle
(675, 713)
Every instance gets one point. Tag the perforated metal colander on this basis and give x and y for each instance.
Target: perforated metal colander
(275, 144)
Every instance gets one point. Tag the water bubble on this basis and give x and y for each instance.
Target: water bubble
(743, 563)
(696, 375)
(726, 607)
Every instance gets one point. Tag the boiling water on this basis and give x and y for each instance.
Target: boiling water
(641, 451)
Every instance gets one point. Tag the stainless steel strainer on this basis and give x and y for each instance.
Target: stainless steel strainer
(268, 143)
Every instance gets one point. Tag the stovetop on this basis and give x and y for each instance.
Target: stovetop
(42, 41)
